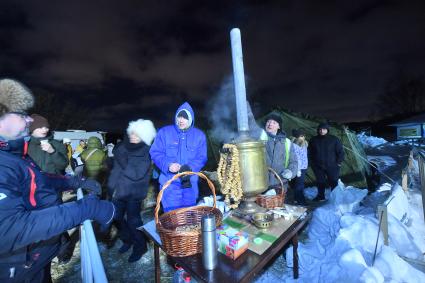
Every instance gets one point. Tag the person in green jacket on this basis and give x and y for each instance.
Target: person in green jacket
(94, 158)
(49, 154)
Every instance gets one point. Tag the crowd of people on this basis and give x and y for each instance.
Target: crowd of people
(33, 166)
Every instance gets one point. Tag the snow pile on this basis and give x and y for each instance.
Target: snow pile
(342, 243)
(370, 141)
(382, 162)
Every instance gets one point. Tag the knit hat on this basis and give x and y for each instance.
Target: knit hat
(183, 114)
(296, 133)
(14, 97)
(275, 117)
(39, 122)
(323, 125)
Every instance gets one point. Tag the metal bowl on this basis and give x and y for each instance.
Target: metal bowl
(262, 220)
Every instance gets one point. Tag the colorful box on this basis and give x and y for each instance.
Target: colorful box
(231, 242)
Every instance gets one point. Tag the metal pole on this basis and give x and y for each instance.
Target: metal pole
(239, 80)
(377, 238)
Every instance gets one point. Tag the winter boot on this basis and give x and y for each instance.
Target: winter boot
(137, 254)
(124, 248)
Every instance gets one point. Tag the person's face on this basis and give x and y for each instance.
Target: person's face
(133, 138)
(40, 132)
(272, 126)
(83, 143)
(323, 132)
(182, 123)
(14, 126)
(301, 138)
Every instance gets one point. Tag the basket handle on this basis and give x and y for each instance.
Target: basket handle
(175, 177)
(278, 178)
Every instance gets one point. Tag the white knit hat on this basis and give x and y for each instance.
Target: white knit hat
(144, 129)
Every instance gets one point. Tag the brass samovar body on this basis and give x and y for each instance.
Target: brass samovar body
(253, 168)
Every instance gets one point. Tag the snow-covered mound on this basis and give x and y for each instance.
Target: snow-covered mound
(342, 238)
(370, 141)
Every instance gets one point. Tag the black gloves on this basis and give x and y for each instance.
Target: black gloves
(185, 180)
(101, 211)
(88, 184)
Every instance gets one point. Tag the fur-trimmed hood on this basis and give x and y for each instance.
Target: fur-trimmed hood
(144, 129)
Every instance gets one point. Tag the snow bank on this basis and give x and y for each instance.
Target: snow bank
(370, 141)
(342, 243)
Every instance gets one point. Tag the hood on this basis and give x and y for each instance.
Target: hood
(189, 111)
(94, 142)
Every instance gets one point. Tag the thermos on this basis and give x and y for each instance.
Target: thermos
(209, 242)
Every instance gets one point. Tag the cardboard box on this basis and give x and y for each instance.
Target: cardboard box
(231, 242)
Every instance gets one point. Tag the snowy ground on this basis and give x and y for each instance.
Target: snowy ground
(338, 245)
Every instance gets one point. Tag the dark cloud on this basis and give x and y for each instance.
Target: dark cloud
(129, 58)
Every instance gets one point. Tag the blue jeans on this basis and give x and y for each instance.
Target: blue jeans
(298, 184)
(127, 220)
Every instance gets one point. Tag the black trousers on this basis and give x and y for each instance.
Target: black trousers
(127, 220)
(326, 177)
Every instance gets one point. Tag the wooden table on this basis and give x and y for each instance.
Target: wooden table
(243, 269)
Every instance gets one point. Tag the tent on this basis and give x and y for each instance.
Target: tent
(354, 168)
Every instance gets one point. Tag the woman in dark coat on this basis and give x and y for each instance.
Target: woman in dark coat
(128, 184)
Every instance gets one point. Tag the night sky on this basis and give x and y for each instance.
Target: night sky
(141, 59)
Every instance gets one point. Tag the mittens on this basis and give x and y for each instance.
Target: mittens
(287, 174)
(185, 180)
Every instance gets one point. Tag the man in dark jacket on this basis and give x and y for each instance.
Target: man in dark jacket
(325, 156)
(49, 154)
(31, 216)
(128, 184)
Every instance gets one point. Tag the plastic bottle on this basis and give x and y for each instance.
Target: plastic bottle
(181, 276)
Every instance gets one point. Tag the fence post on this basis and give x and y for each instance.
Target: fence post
(421, 161)
(384, 223)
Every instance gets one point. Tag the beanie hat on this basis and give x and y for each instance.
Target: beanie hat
(183, 114)
(296, 133)
(144, 129)
(14, 97)
(39, 122)
(275, 117)
(323, 125)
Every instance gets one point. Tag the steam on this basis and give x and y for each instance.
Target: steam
(223, 116)
(223, 113)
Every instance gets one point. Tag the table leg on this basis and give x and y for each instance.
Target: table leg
(157, 263)
(295, 255)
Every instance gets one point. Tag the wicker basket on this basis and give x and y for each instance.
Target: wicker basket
(178, 243)
(276, 200)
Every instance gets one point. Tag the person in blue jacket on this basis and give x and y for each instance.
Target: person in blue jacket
(178, 148)
(32, 216)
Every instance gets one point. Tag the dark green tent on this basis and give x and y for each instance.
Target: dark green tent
(353, 170)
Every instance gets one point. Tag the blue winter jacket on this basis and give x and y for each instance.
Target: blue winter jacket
(31, 214)
(186, 147)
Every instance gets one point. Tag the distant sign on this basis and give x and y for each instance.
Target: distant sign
(409, 132)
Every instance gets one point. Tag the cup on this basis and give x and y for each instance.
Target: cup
(44, 141)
